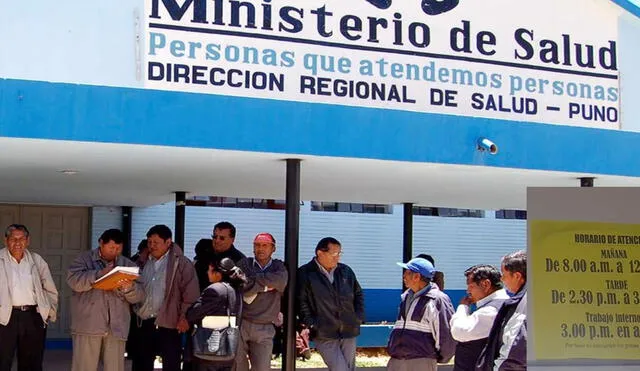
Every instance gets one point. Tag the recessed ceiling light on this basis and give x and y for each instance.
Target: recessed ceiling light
(69, 171)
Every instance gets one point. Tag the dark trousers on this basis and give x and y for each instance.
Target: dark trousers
(151, 341)
(130, 346)
(25, 333)
(210, 366)
(187, 358)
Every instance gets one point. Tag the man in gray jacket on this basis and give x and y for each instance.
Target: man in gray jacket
(100, 318)
(262, 295)
(28, 301)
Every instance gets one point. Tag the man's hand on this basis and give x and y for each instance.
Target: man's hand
(183, 325)
(466, 300)
(106, 269)
(125, 285)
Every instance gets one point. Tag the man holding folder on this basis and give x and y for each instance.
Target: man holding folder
(100, 316)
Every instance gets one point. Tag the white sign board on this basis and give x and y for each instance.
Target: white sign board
(542, 61)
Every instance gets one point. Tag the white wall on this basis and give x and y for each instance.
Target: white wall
(458, 243)
(103, 218)
(76, 41)
(372, 243)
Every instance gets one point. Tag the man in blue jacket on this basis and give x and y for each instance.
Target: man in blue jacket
(421, 337)
(331, 305)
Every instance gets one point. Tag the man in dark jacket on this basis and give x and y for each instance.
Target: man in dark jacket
(506, 348)
(331, 305)
(220, 246)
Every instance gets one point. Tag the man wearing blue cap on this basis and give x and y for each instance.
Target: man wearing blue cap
(421, 336)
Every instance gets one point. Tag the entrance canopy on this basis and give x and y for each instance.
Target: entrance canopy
(82, 173)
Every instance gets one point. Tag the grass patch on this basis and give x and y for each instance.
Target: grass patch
(365, 357)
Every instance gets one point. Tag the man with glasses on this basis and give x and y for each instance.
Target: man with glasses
(331, 305)
(28, 301)
(221, 246)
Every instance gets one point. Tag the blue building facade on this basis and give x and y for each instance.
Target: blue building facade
(384, 101)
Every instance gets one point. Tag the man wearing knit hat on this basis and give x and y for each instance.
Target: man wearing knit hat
(421, 336)
(262, 295)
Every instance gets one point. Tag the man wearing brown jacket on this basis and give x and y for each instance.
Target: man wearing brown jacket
(171, 286)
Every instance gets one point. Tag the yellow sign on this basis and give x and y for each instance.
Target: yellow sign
(585, 289)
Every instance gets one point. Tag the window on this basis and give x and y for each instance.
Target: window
(424, 210)
(448, 212)
(511, 214)
(245, 203)
(346, 207)
(460, 213)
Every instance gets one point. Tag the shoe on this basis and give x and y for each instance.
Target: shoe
(306, 354)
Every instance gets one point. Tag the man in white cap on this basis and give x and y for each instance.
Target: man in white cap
(421, 337)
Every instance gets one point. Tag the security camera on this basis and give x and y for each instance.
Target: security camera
(485, 144)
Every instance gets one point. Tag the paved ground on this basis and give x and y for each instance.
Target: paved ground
(60, 360)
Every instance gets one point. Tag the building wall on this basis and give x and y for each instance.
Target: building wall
(96, 45)
(89, 55)
(372, 243)
(103, 218)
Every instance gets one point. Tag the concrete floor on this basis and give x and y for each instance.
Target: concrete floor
(60, 360)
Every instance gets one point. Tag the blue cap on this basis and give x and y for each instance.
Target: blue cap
(419, 265)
